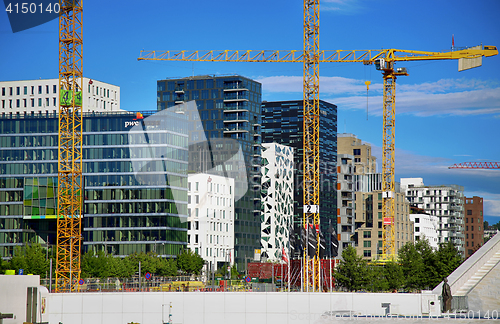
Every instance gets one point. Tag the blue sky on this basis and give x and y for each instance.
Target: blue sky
(443, 116)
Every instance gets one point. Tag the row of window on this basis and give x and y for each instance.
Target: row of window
(101, 123)
(153, 221)
(40, 102)
(136, 207)
(31, 90)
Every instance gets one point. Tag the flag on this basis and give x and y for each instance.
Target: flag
(291, 240)
(283, 255)
(322, 245)
(452, 40)
(312, 241)
(334, 241)
(303, 239)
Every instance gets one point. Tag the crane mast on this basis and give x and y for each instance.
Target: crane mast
(311, 140)
(70, 180)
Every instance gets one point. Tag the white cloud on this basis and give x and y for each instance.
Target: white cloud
(341, 6)
(444, 97)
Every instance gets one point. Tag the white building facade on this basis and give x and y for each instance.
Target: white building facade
(42, 96)
(426, 227)
(277, 199)
(446, 202)
(211, 218)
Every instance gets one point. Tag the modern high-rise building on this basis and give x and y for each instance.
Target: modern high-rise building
(229, 107)
(282, 123)
(41, 96)
(474, 229)
(211, 218)
(444, 201)
(122, 214)
(277, 200)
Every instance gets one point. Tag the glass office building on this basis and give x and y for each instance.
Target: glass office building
(121, 214)
(282, 122)
(229, 107)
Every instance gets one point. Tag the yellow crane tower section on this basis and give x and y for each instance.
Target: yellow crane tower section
(384, 60)
(70, 181)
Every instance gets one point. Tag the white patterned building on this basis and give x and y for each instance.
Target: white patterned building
(211, 218)
(277, 199)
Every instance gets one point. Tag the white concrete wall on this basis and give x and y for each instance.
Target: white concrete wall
(13, 297)
(220, 308)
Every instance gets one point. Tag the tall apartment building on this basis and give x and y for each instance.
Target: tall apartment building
(41, 96)
(369, 234)
(345, 201)
(211, 218)
(444, 201)
(122, 214)
(368, 222)
(277, 200)
(474, 230)
(282, 123)
(229, 107)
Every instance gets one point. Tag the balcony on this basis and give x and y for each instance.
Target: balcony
(235, 96)
(234, 86)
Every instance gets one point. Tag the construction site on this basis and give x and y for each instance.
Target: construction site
(298, 284)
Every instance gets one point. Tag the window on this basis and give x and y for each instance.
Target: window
(467, 228)
(367, 253)
(417, 229)
(39, 89)
(18, 91)
(54, 89)
(46, 89)
(380, 235)
(10, 91)
(466, 220)
(472, 229)
(18, 103)
(39, 102)
(367, 244)
(367, 234)
(469, 211)
(356, 151)
(417, 220)
(55, 102)
(25, 90)
(46, 102)
(197, 186)
(3, 91)
(479, 228)
(32, 102)
(197, 199)
(32, 90)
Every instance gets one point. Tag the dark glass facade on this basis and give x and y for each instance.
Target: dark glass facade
(282, 122)
(229, 107)
(121, 215)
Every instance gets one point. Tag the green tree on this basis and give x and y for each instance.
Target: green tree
(353, 272)
(394, 275)
(447, 260)
(412, 265)
(149, 262)
(167, 267)
(31, 258)
(94, 265)
(190, 262)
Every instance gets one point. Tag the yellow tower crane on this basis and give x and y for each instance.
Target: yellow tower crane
(384, 61)
(70, 180)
